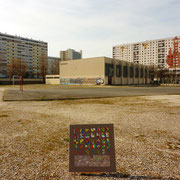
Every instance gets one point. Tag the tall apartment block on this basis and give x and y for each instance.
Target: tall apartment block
(27, 50)
(70, 54)
(151, 52)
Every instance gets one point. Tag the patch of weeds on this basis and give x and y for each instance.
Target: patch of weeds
(70, 99)
(66, 139)
(173, 146)
(25, 121)
(44, 98)
(89, 101)
(45, 116)
(141, 137)
(160, 153)
(52, 144)
(161, 133)
(123, 170)
(132, 109)
(103, 102)
(55, 140)
(4, 115)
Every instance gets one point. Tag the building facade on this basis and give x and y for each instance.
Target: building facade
(150, 52)
(52, 79)
(103, 70)
(24, 49)
(70, 54)
(53, 65)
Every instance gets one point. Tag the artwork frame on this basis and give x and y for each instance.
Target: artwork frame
(97, 155)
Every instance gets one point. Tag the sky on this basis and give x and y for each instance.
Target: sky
(93, 26)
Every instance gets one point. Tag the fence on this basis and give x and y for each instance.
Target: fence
(7, 81)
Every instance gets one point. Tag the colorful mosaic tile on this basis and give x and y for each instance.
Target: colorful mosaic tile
(76, 141)
(86, 130)
(98, 135)
(92, 135)
(93, 129)
(103, 135)
(81, 141)
(107, 134)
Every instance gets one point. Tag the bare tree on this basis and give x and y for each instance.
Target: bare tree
(161, 74)
(16, 67)
(55, 67)
(43, 65)
(22, 68)
(153, 72)
(158, 73)
(11, 68)
(170, 76)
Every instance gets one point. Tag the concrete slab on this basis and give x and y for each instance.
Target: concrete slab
(85, 93)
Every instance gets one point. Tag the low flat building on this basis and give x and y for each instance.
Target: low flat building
(52, 79)
(103, 70)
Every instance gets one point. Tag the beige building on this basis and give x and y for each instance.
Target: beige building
(150, 52)
(52, 79)
(103, 70)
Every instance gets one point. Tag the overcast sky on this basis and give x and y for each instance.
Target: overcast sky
(91, 25)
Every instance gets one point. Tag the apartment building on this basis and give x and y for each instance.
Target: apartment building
(25, 49)
(150, 52)
(70, 54)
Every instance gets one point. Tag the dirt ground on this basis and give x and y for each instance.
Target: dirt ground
(34, 136)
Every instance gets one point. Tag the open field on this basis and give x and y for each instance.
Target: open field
(34, 136)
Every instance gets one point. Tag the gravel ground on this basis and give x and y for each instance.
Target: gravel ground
(34, 136)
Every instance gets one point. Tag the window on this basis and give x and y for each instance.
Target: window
(136, 73)
(125, 71)
(142, 74)
(106, 69)
(131, 72)
(109, 69)
(118, 70)
(145, 73)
